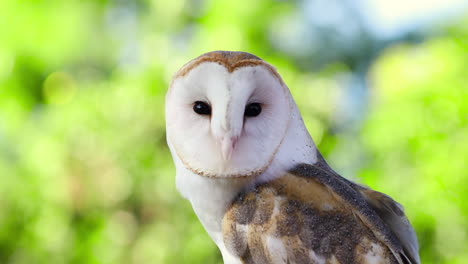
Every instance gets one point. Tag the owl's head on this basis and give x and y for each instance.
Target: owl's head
(226, 114)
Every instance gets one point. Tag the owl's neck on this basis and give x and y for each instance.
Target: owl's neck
(296, 147)
(210, 197)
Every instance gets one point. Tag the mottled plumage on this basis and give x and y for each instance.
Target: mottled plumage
(256, 180)
(313, 215)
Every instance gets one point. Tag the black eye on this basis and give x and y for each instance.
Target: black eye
(201, 108)
(253, 109)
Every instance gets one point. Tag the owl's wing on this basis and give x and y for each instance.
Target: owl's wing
(390, 212)
(313, 215)
(393, 216)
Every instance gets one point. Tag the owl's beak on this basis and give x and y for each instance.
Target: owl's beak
(227, 147)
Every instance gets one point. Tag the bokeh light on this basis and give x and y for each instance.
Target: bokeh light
(85, 172)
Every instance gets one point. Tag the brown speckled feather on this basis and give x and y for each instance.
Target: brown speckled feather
(313, 215)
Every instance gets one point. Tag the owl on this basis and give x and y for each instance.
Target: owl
(255, 179)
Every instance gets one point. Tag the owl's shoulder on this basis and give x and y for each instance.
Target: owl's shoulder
(307, 216)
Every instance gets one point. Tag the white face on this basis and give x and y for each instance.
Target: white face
(242, 118)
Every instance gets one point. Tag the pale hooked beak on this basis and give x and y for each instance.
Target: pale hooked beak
(227, 147)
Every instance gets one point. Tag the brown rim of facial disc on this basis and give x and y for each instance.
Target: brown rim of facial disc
(231, 60)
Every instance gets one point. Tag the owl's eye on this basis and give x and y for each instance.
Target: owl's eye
(201, 108)
(253, 109)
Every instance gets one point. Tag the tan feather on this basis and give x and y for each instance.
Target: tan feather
(313, 216)
(394, 217)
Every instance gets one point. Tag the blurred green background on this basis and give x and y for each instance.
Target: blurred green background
(85, 173)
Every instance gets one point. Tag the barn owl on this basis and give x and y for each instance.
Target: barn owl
(255, 179)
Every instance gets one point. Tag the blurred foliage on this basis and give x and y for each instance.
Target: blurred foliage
(85, 173)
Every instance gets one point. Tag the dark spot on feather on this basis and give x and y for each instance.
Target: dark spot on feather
(245, 206)
(264, 208)
(235, 240)
(331, 233)
(288, 220)
(247, 258)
